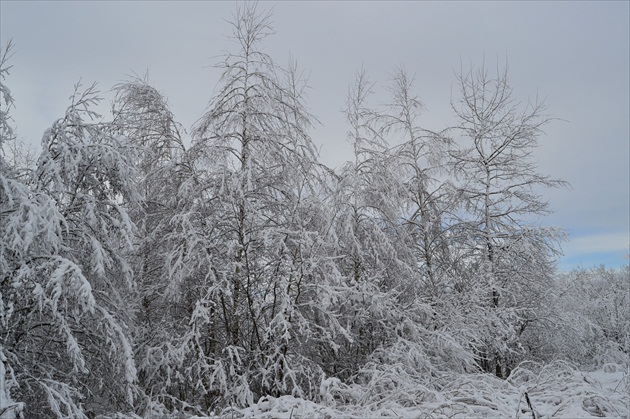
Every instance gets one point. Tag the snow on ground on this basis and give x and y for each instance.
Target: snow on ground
(557, 390)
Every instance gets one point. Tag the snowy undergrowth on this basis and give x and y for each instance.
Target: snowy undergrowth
(557, 390)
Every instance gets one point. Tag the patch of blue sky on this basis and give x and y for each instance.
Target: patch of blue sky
(586, 249)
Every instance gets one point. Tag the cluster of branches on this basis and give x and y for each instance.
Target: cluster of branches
(140, 277)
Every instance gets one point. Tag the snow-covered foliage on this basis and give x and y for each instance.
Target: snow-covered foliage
(239, 277)
(587, 321)
(554, 390)
(62, 271)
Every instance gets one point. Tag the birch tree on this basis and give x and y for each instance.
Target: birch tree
(13, 194)
(63, 271)
(387, 311)
(428, 197)
(142, 115)
(500, 186)
(364, 231)
(247, 252)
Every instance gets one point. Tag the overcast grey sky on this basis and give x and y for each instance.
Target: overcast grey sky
(574, 54)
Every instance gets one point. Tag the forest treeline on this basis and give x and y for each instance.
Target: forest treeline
(146, 271)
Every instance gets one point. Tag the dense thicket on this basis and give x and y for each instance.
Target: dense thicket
(140, 277)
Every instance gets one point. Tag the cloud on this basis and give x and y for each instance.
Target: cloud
(610, 249)
(598, 243)
(586, 85)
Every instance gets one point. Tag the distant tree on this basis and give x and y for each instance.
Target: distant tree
(588, 322)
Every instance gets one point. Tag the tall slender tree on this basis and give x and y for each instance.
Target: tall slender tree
(500, 186)
(142, 115)
(247, 248)
(420, 156)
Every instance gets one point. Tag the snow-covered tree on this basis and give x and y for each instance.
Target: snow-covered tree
(510, 255)
(366, 197)
(140, 277)
(141, 114)
(247, 262)
(12, 194)
(428, 199)
(397, 338)
(65, 342)
(364, 232)
(587, 322)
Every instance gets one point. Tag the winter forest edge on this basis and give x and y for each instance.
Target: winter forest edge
(239, 277)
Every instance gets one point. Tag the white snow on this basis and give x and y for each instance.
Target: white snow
(557, 390)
